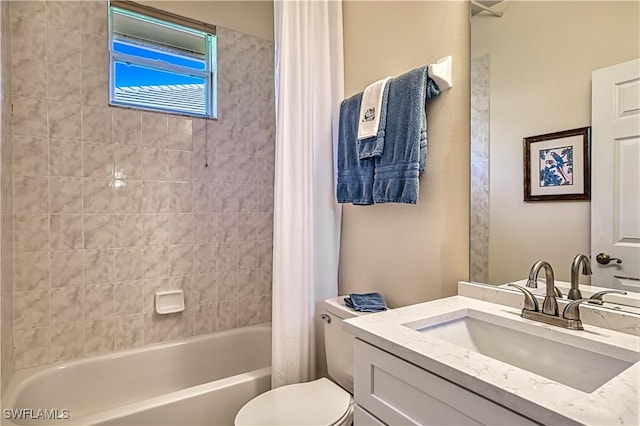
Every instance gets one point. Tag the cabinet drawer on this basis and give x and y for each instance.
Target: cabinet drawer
(362, 417)
(401, 393)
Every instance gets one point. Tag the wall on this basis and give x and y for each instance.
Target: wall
(113, 204)
(542, 55)
(6, 200)
(250, 17)
(412, 253)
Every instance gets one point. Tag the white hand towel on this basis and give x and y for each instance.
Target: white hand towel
(369, 118)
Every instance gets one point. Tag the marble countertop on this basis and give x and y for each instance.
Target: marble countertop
(536, 397)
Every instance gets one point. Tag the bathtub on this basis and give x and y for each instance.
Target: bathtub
(195, 381)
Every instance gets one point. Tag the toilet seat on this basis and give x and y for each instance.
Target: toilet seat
(320, 402)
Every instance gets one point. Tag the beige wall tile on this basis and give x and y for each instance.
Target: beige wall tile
(128, 230)
(98, 301)
(227, 197)
(181, 199)
(92, 56)
(95, 87)
(99, 336)
(155, 163)
(204, 198)
(129, 297)
(67, 305)
(66, 342)
(63, 14)
(248, 312)
(98, 266)
(30, 117)
(181, 260)
(128, 264)
(31, 347)
(64, 83)
(31, 194)
(204, 318)
(129, 331)
(227, 285)
(29, 78)
(180, 133)
(150, 289)
(155, 197)
(204, 258)
(97, 160)
(205, 228)
(31, 232)
(94, 17)
(66, 232)
(97, 125)
(127, 126)
(128, 195)
(98, 231)
(65, 158)
(227, 257)
(31, 271)
(98, 195)
(66, 195)
(181, 229)
(228, 227)
(28, 33)
(63, 47)
(156, 262)
(156, 229)
(264, 282)
(128, 162)
(65, 120)
(31, 309)
(205, 288)
(227, 315)
(66, 268)
(155, 130)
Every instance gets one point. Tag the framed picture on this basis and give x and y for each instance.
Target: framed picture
(557, 166)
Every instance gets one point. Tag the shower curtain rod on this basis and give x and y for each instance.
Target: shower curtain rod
(485, 8)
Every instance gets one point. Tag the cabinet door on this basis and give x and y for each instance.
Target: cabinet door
(362, 417)
(400, 393)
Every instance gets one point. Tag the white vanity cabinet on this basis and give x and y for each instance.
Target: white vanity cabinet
(389, 390)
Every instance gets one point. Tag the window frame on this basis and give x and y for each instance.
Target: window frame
(155, 16)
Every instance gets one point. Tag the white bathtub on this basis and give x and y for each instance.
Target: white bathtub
(196, 381)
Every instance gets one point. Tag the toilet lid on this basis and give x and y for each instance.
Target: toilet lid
(320, 402)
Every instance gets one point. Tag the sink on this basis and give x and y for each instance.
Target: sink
(559, 356)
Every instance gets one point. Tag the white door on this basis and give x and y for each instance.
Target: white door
(615, 176)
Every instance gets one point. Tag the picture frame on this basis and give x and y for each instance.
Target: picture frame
(557, 166)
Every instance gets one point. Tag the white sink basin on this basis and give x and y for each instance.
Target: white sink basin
(541, 351)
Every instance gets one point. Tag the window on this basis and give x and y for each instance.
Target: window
(161, 62)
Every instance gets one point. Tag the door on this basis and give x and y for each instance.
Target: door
(615, 176)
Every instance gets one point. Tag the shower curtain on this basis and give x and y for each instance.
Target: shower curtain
(306, 241)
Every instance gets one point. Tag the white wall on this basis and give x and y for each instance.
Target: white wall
(542, 55)
(412, 253)
(249, 17)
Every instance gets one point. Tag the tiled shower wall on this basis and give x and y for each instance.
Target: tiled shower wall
(6, 198)
(479, 226)
(112, 204)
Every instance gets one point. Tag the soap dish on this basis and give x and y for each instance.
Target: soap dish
(170, 301)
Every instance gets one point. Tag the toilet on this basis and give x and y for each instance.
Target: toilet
(320, 402)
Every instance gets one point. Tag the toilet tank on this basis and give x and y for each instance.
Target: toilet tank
(338, 344)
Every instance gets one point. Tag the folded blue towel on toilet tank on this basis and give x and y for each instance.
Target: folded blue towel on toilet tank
(368, 302)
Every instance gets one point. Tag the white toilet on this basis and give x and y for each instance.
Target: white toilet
(320, 402)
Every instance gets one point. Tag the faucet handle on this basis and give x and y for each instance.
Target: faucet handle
(530, 301)
(557, 291)
(571, 311)
(596, 298)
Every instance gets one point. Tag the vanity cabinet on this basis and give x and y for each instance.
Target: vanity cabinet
(390, 390)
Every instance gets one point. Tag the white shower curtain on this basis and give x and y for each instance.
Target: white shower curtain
(306, 238)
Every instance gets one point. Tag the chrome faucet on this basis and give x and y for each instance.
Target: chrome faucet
(550, 305)
(549, 314)
(574, 292)
(532, 282)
